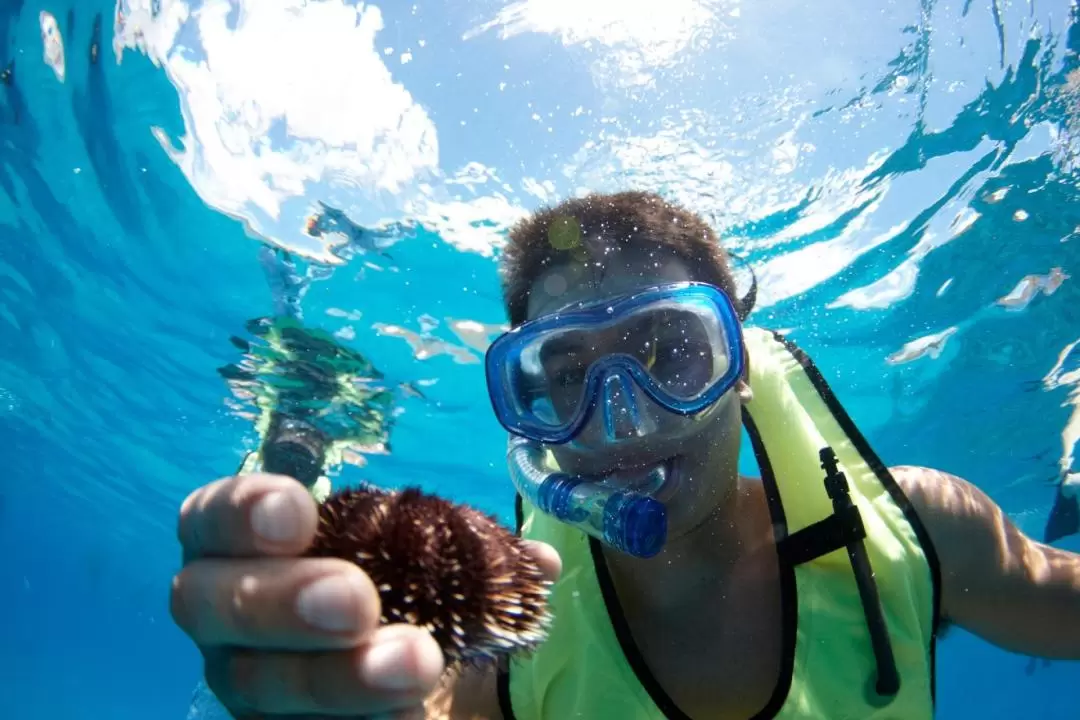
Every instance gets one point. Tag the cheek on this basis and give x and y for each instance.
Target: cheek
(717, 433)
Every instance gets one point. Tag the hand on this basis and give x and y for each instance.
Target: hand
(288, 636)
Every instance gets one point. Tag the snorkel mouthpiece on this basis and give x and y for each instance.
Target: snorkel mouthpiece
(626, 520)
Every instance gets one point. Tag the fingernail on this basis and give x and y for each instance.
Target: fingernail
(274, 518)
(331, 604)
(388, 666)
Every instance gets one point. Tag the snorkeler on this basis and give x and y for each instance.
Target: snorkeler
(7, 80)
(95, 40)
(686, 588)
(331, 220)
(318, 403)
(1064, 519)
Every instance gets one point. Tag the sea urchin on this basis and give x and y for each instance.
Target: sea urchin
(443, 566)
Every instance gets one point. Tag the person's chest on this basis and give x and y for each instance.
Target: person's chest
(720, 656)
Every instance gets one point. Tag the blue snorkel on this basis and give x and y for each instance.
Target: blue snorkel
(628, 521)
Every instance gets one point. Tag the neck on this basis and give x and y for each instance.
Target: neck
(701, 557)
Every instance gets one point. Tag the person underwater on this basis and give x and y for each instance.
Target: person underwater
(327, 220)
(1064, 519)
(316, 402)
(682, 588)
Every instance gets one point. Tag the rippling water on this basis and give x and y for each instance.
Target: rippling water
(901, 178)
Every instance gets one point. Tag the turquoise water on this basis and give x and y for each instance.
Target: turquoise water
(892, 175)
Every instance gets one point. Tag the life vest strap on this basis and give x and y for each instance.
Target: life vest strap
(844, 529)
(835, 532)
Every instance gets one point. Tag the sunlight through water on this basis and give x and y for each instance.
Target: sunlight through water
(196, 194)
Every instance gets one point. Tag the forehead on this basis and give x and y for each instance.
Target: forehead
(619, 271)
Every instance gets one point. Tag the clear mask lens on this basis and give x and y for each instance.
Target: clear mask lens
(681, 347)
(627, 363)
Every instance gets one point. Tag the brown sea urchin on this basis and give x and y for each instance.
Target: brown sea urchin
(440, 565)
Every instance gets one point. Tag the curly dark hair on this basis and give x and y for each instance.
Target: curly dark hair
(585, 227)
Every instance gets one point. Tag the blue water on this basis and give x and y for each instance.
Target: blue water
(891, 173)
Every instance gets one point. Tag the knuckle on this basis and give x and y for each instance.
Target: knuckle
(238, 490)
(243, 604)
(186, 526)
(179, 602)
(196, 522)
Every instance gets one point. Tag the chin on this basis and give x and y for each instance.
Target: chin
(692, 495)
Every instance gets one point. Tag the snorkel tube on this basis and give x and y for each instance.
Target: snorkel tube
(628, 521)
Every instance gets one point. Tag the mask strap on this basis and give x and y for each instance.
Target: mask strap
(747, 301)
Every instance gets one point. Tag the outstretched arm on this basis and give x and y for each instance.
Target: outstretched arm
(998, 583)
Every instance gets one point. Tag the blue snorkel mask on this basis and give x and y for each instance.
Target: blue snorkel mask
(604, 374)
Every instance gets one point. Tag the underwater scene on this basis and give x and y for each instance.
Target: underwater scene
(225, 219)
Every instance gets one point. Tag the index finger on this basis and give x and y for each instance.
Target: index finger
(248, 516)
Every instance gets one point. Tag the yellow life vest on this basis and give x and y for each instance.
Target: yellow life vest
(590, 668)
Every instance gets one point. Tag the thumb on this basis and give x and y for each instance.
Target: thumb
(546, 557)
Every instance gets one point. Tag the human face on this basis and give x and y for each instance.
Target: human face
(704, 460)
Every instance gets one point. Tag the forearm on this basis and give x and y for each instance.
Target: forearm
(1058, 607)
(997, 582)
(1036, 611)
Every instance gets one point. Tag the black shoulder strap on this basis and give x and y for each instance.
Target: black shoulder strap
(835, 532)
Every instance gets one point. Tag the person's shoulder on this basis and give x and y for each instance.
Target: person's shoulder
(915, 474)
(927, 488)
(950, 507)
